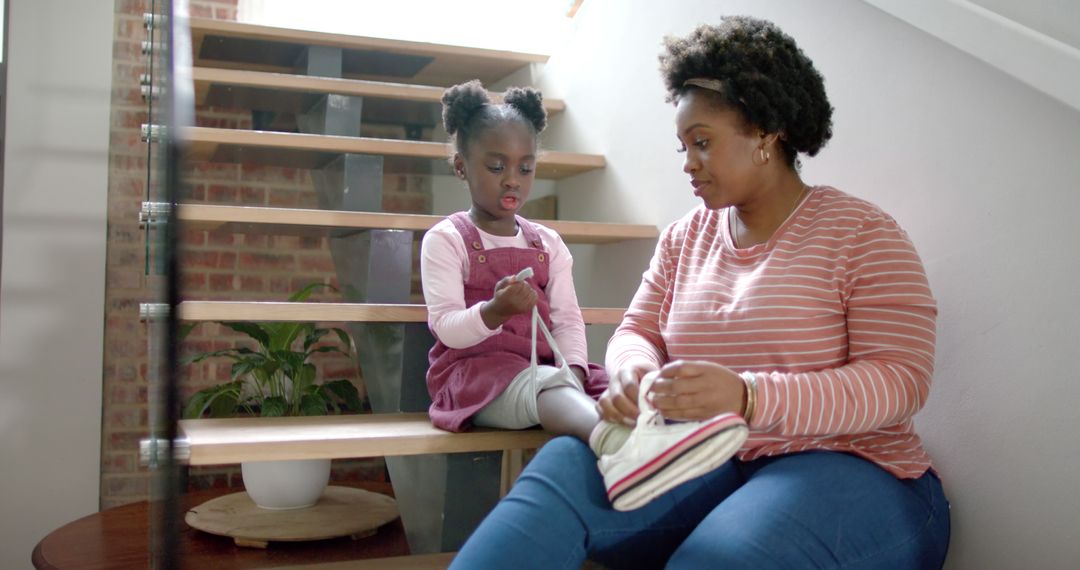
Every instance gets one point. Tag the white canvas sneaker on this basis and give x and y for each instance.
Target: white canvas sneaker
(658, 457)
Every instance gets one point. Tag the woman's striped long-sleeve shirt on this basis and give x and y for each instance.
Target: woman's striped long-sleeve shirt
(833, 314)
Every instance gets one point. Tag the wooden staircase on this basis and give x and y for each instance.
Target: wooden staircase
(290, 71)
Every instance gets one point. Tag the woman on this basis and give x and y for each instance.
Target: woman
(803, 309)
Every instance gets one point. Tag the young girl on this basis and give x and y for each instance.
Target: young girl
(488, 274)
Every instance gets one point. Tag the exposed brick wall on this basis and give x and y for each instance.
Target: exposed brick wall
(215, 265)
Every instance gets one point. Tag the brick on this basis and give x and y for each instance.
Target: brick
(219, 194)
(192, 238)
(125, 419)
(191, 282)
(252, 283)
(126, 485)
(209, 259)
(279, 285)
(122, 304)
(132, 6)
(222, 282)
(119, 162)
(127, 325)
(126, 373)
(256, 241)
(126, 347)
(279, 198)
(125, 440)
(316, 263)
(129, 119)
(278, 174)
(266, 261)
(205, 171)
(284, 243)
(125, 233)
(123, 278)
(135, 394)
(119, 463)
(221, 238)
(252, 196)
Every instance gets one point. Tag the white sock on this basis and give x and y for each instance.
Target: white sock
(607, 438)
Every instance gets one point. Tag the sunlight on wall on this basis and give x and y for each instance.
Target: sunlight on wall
(533, 26)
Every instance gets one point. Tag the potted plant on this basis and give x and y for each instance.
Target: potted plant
(275, 379)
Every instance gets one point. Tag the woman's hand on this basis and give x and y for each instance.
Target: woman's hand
(512, 297)
(618, 404)
(696, 390)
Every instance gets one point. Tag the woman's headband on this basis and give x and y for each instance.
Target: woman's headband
(705, 83)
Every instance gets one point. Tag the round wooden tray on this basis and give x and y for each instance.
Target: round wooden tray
(341, 511)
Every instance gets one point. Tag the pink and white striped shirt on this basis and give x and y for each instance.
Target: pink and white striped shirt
(833, 314)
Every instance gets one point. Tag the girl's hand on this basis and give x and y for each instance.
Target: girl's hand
(697, 390)
(512, 297)
(618, 404)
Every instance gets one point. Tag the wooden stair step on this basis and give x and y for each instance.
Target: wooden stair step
(268, 311)
(220, 43)
(314, 151)
(392, 102)
(278, 221)
(233, 440)
(439, 561)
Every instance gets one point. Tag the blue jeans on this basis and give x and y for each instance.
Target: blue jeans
(814, 509)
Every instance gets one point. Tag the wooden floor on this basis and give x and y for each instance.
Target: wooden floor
(118, 539)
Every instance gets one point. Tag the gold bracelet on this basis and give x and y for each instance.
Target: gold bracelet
(750, 380)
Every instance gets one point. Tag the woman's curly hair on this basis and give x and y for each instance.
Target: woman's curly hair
(468, 111)
(764, 75)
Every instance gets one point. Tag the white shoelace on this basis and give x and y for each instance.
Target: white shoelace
(536, 320)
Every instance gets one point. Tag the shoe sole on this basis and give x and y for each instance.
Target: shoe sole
(697, 454)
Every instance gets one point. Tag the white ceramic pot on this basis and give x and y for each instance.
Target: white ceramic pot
(282, 485)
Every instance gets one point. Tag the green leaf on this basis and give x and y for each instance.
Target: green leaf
(242, 367)
(329, 349)
(253, 330)
(344, 391)
(283, 335)
(312, 405)
(302, 382)
(224, 404)
(313, 337)
(345, 338)
(228, 352)
(220, 401)
(274, 407)
(303, 294)
(185, 329)
(196, 404)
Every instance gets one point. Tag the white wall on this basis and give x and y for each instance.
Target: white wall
(53, 289)
(982, 170)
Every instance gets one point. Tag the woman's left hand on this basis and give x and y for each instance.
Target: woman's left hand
(697, 390)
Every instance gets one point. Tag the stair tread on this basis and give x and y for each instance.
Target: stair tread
(206, 77)
(233, 440)
(252, 46)
(258, 219)
(314, 151)
(275, 311)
